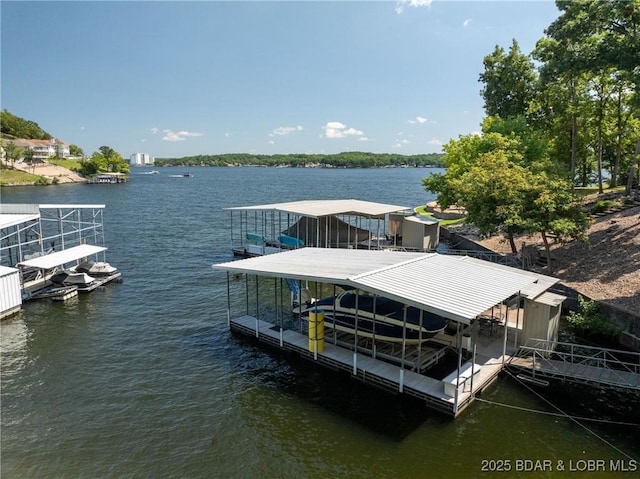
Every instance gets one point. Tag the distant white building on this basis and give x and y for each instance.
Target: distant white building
(141, 159)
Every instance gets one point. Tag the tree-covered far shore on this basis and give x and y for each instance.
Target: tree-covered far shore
(355, 159)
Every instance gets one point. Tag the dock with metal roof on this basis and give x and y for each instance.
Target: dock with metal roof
(465, 291)
(344, 223)
(38, 239)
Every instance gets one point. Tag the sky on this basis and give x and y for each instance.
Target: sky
(183, 78)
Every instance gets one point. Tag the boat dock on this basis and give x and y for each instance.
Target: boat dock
(488, 310)
(38, 240)
(376, 372)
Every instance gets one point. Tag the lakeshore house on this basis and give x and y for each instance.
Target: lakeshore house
(43, 149)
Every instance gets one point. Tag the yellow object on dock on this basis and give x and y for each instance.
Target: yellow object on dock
(316, 331)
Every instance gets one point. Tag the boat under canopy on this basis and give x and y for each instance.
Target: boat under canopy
(320, 223)
(328, 232)
(377, 317)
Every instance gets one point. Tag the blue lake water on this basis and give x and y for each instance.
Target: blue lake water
(143, 379)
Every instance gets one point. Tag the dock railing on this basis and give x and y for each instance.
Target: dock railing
(507, 259)
(549, 357)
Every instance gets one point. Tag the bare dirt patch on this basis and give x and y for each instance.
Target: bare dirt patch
(62, 175)
(606, 267)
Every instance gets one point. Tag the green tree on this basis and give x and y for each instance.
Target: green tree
(491, 192)
(105, 160)
(28, 158)
(12, 152)
(507, 184)
(553, 209)
(595, 39)
(509, 82)
(75, 150)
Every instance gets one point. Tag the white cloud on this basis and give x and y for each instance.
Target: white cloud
(285, 130)
(466, 22)
(189, 133)
(335, 129)
(153, 130)
(170, 135)
(227, 135)
(82, 127)
(418, 119)
(363, 138)
(271, 142)
(435, 141)
(401, 4)
(400, 142)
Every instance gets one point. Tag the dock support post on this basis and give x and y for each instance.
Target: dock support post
(401, 385)
(355, 363)
(281, 338)
(506, 330)
(257, 305)
(228, 302)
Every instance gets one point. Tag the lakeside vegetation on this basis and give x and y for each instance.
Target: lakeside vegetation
(551, 126)
(355, 159)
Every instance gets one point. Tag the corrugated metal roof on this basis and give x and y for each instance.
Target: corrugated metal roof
(451, 286)
(317, 264)
(447, 285)
(62, 257)
(318, 208)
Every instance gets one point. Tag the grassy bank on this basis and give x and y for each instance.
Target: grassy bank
(422, 211)
(19, 178)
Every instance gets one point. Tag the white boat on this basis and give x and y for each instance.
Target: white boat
(377, 317)
(152, 172)
(95, 268)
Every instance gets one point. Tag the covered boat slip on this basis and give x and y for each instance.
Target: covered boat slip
(480, 300)
(31, 230)
(45, 266)
(264, 229)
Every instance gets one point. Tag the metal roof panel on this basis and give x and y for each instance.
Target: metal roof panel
(58, 258)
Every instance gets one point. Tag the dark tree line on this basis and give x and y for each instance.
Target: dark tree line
(353, 159)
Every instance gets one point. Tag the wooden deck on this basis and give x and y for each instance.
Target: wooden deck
(383, 374)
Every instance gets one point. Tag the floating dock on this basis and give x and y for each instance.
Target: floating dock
(376, 372)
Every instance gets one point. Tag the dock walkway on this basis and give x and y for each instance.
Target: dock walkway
(372, 371)
(573, 362)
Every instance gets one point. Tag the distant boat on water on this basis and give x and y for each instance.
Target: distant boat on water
(184, 175)
(152, 172)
